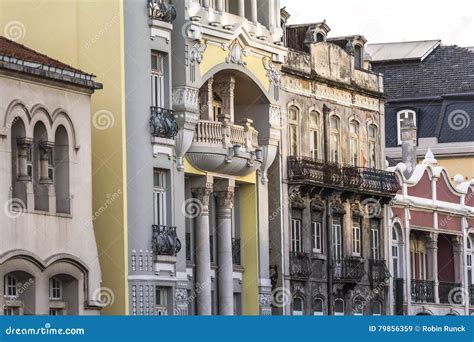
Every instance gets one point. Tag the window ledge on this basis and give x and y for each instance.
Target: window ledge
(318, 256)
(45, 213)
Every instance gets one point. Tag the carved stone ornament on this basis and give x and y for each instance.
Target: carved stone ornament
(186, 98)
(297, 202)
(273, 74)
(181, 295)
(236, 54)
(357, 209)
(196, 53)
(203, 194)
(337, 207)
(265, 299)
(317, 204)
(225, 198)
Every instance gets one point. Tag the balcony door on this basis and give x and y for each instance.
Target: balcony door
(337, 246)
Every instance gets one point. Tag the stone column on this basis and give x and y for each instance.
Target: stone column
(254, 11)
(226, 88)
(225, 201)
(219, 5)
(206, 100)
(203, 251)
(44, 149)
(432, 262)
(458, 260)
(205, 3)
(23, 145)
(242, 8)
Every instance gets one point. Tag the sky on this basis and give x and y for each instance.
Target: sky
(384, 21)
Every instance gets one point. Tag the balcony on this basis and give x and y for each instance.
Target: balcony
(162, 11)
(225, 148)
(165, 241)
(422, 291)
(163, 123)
(348, 270)
(378, 271)
(370, 181)
(236, 251)
(300, 265)
(447, 293)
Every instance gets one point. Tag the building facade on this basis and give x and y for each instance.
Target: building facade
(49, 262)
(433, 84)
(431, 242)
(328, 247)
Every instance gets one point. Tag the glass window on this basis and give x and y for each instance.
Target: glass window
(358, 307)
(359, 57)
(372, 146)
(298, 306)
(339, 307)
(354, 143)
(56, 312)
(159, 197)
(318, 307)
(51, 164)
(293, 117)
(10, 286)
(161, 300)
(296, 235)
(469, 255)
(335, 139)
(317, 237)
(356, 238)
(376, 309)
(375, 242)
(55, 289)
(157, 80)
(314, 134)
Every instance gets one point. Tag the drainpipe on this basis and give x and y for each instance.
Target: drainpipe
(326, 111)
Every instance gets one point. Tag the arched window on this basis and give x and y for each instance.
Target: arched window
(395, 253)
(42, 167)
(293, 117)
(339, 307)
(376, 308)
(372, 133)
(470, 256)
(335, 125)
(319, 37)
(318, 306)
(406, 114)
(359, 57)
(314, 134)
(354, 143)
(10, 286)
(61, 171)
(358, 307)
(298, 306)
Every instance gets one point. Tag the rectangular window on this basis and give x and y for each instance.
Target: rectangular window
(55, 289)
(374, 243)
(10, 287)
(159, 198)
(395, 261)
(335, 148)
(9, 312)
(51, 164)
(469, 269)
(317, 237)
(161, 300)
(29, 161)
(294, 140)
(296, 241)
(356, 239)
(56, 312)
(157, 80)
(337, 240)
(314, 144)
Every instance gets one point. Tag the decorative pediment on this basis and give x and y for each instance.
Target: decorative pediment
(236, 53)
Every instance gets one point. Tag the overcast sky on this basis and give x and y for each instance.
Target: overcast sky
(383, 21)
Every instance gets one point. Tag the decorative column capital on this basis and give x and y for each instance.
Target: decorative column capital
(203, 194)
(225, 199)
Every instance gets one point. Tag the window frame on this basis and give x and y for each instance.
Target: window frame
(294, 125)
(296, 244)
(55, 285)
(356, 238)
(314, 136)
(375, 242)
(335, 136)
(11, 286)
(354, 138)
(469, 260)
(372, 146)
(158, 79)
(317, 233)
(318, 313)
(338, 313)
(160, 200)
(295, 312)
(161, 300)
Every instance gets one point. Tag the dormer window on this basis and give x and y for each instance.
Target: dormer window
(320, 37)
(406, 114)
(359, 57)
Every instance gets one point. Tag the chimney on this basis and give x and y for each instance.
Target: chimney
(408, 137)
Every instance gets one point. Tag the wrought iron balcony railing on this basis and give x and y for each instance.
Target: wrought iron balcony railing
(236, 251)
(448, 293)
(422, 291)
(163, 123)
(333, 174)
(165, 241)
(162, 10)
(378, 271)
(300, 265)
(348, 269)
